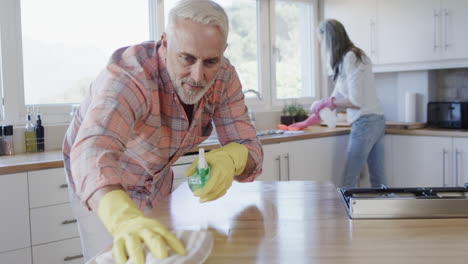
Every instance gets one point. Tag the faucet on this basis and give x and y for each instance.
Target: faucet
(259, 96)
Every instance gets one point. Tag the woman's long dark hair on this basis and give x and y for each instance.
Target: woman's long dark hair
(337, 44)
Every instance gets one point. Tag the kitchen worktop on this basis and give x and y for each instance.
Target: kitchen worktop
(53, 159)
(305, 222)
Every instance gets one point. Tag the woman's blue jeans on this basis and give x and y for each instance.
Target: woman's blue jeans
(366, 144)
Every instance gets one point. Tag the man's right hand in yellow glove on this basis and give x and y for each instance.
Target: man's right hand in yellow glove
(225, 163)
(130, 228)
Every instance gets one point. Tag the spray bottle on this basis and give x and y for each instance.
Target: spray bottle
(202, 174)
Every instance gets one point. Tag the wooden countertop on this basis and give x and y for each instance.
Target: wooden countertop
(305, 222)
(53, 159)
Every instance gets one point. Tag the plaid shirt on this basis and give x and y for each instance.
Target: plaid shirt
(132, 126)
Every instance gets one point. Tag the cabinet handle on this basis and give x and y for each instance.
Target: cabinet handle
(278, 158)
(372, 36)
(457, 154)
(287, 158)
(446, 13)
(436, 16)
(63, 186)
(73, 257)
(444, 152)
(66, 222)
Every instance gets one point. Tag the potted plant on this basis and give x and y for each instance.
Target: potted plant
(301, 114)
(287, 118)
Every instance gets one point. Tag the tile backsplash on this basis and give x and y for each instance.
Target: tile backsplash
(448, 85)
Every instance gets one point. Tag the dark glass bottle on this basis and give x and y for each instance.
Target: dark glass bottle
(39, 131)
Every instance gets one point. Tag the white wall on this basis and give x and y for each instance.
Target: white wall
(392, 88)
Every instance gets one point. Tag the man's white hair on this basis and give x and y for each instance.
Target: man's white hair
(204, 12)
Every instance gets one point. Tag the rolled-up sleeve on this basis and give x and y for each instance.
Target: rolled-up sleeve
(233, 123)
(95, 155)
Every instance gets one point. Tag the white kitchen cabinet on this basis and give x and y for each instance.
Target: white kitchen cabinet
(47, 187)
(271, 168)
(454, 15)
(179, 168)
(359, 19)
(317, 159)
(460, 161)
(421, 161)
(14, 208)
(66, 251)
(426, 161)
(424, 32)
(407, 31)
(21, 256)
(330, 159)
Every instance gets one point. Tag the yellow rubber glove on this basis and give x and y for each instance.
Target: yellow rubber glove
(130, 228)
(225, 163)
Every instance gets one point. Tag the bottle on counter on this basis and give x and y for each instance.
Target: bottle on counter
(202, 174)
(29, 135)
(39, 132)
(1, 141)
(8, 147)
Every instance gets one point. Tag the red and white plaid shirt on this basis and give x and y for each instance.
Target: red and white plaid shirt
(132, 126)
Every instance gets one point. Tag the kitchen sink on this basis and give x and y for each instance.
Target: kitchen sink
(262, 133)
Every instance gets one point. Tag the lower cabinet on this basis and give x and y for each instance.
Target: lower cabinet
(179, 168)
(427, 161)
(317, 159)
(14, 211)
(65, 251)
(20, 256)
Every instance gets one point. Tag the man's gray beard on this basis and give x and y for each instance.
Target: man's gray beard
(188, 97)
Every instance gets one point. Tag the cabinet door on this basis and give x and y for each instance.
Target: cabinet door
(302, 159)
(460, 164)
(21, 256)
(332, 158)
(271, 163)
(454, 21)
(408, 31)
(359, 20)
(14, 208)
(421, 161)
(388, 159)
(47, 187)
(64, 251)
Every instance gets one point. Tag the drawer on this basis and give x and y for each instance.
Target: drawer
(65, 251)
(47, 187)
(21, 256)
(52, 223)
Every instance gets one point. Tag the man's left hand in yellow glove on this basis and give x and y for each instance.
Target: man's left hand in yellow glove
(225, 163)
(130, 228)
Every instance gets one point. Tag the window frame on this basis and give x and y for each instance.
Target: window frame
(12, 105)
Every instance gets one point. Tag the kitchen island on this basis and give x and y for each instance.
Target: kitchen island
(305, 222)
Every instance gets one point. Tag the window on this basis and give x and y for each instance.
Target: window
(292, 30)
(64, 50)
(51, 50)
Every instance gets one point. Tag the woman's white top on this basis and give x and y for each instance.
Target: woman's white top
(356, 82)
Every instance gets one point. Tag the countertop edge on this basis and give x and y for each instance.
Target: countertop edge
(53, 159)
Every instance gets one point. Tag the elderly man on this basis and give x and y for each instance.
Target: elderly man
(151, 104)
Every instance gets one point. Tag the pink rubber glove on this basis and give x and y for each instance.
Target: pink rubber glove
(312, 120)
(325, 102)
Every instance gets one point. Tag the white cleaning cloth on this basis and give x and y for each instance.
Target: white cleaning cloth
(198, 245)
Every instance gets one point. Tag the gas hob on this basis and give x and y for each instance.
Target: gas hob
(384, 202)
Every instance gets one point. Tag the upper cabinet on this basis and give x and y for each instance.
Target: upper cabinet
(402, 35)
(359, 19)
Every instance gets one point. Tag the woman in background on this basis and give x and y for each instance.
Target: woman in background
(354, 90)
